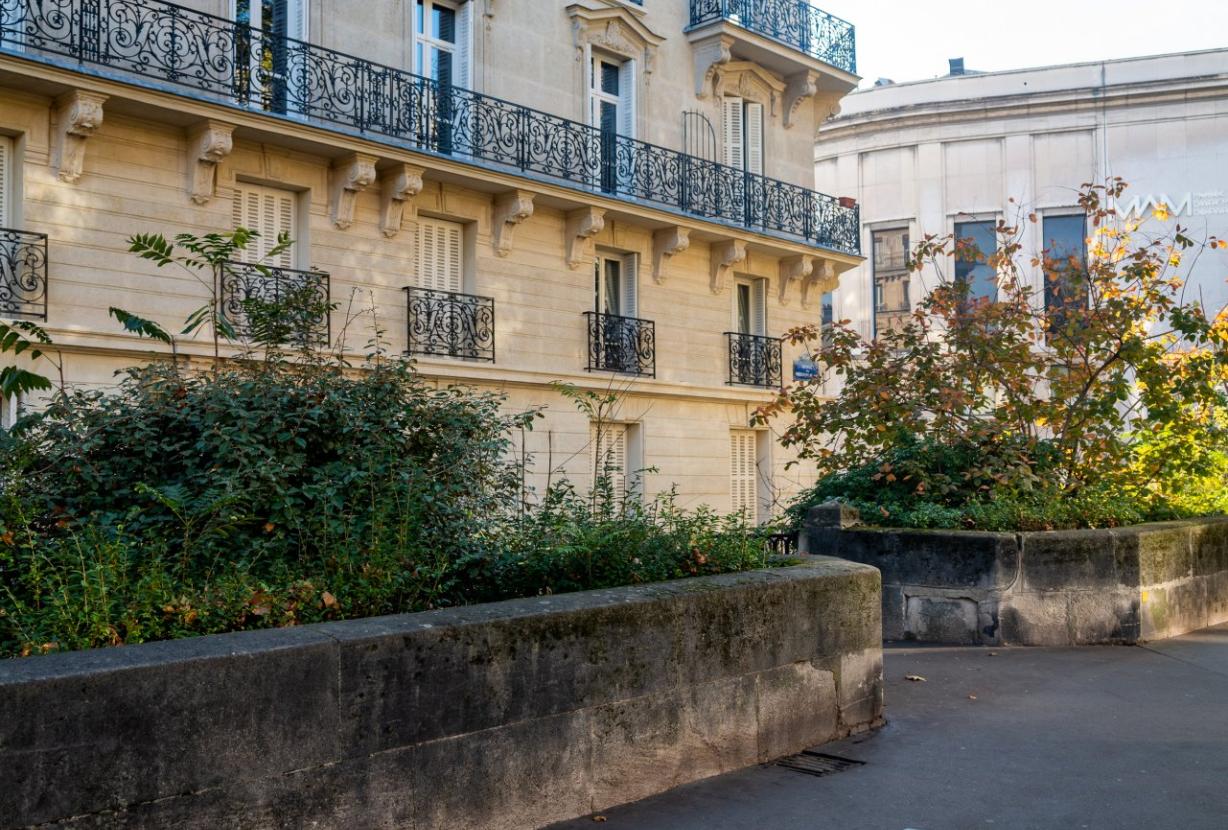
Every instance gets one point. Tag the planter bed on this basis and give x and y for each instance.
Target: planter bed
(1077, 587)
(509, 715)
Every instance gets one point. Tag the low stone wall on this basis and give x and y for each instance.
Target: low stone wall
(509, 715)
(1082, 587)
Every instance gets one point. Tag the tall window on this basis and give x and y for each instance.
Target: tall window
(743, 132)
(750, 307)
(614, 285)
(269, 211)
(442, 36)
(1065, 244)
(891, 281)
(271, 66)
(441, 255)
(976, 271)
(611, 111)
(744, 473)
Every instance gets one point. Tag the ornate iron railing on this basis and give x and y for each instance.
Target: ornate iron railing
(794, 23)
(754, 360)
(166, 46)
(282, 304)
(23, 274)
(626, 345)
(447, 324)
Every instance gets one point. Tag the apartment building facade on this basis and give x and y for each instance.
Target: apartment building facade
(957, 154)
(614, 194)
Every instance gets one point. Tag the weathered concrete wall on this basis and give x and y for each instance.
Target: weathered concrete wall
(510, 715)
(1082, 587)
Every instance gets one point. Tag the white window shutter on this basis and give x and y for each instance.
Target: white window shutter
(6, 181)
(296, 19)
(626, 98)
(462, 71)
(758, 308)
(630, 285)
(744, 473)
(735, 153)
(611, 455)
(754, 138)
(269, 212)
(440, 255)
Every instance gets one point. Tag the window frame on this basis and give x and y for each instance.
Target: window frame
(992, 220)
(426, 41)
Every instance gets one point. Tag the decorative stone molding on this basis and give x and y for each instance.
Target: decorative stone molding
(801, 86)
(615, 29)
(582, 226)
(208, 143)
(78, 116)
(710, 54)
(750, 81)
(666, 244)
(398, 185)
(510, 210)
(723, 258)
(791, 269)
(826, 105)
(822, 280)
(351, 175)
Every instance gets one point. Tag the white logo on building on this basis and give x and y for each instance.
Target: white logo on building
(1208, 203)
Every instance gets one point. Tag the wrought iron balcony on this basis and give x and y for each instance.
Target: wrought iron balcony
(23, 274)
(282, 304)
(794, 23)
(626, 345)
(168, 47)
(754, 360)
(446, 324)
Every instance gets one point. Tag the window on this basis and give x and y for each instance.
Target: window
(441, 255)
(1065, 265)
(891, 281)
(268, 211)
(743, 129)
(442, 37)
(274, 69)
(744, 473)
(976, 272)
(750, 307)
(11, 408)
(614, 285)
(612, 452)
(612, 112)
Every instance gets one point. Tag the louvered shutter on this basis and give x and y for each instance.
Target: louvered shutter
(269, 212)
(462, 71)
(6, 180)
(758, 308)
(296, 19)
(629, 289)
(754, 138)
(440, 257)
(611, 455)
(626, 99)
(735, 152)
(744, 474)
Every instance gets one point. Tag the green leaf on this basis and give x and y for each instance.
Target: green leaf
(17, 381)
(140, 326)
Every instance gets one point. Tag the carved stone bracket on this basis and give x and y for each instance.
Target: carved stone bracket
(666, 244)
(710, 54)
(724, 257)
(510, 210)
(826, 105)
(351, 175)
(801, 86)
(582, 226)
(398, 185)
(822, 280)
(78, 116)
(791, 269)
(208, 143)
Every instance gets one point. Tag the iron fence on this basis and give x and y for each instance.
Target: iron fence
(448, 324)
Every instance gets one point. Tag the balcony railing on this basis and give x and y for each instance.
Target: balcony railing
(23, 274)
(446, 324)
(276, 304)
(626, 345)
(794, 23)
(754, 360)
(165, 46)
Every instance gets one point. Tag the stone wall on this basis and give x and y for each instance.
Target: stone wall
(1082, 587)
(509, 715)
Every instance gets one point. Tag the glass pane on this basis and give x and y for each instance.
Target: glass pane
(977, 273)
(418, 18)
(613, 287)
(441, 65)
(1065, 259)
(443, 23)
(243, 12)
(609, 78)
(609, 117)
(744, 309)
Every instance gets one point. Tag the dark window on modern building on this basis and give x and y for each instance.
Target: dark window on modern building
(891, 283)
(979, 239)
(1065, 266)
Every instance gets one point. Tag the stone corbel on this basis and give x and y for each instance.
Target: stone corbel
(582, 226)
(208, 143)
(666, 244)
(710, 55)
(398, 185)
(826, 105)
(801, 86)
(793, 268)
(78, 116)
(724, 257)
(351, 175)
(510, 210)
(822, 280)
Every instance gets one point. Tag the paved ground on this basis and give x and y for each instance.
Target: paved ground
(1114, 738)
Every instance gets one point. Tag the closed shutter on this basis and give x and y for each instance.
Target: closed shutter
(758, 308)
(6, 180)
(296, 19)
(630, 286)
(626, 99)
(269, 212)
(744, 473)
(754, 138)
(611, 456)
(440, 255)
(735, 131)
(462, 70)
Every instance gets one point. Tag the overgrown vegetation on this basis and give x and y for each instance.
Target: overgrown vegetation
(1099, 404)
(283, 487)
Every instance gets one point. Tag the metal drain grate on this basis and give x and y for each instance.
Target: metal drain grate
(818, 764)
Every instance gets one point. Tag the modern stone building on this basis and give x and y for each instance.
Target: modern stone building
(949, 156)
(607, 193)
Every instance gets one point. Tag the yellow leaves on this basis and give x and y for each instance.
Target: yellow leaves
(1161, 212)
(328, 599)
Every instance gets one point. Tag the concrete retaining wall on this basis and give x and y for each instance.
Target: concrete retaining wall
(1081, 587)
(510, 715)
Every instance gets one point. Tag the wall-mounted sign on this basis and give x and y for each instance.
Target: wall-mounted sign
(1163, 205)
(804, 368)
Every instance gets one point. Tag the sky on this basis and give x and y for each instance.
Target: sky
(906, 40)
